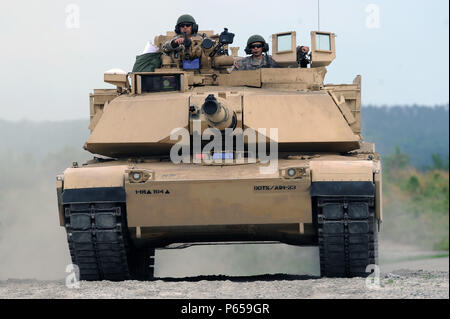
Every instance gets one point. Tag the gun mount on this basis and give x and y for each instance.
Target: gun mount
(204, 51)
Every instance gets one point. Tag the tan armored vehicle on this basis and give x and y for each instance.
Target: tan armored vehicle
(195, 153)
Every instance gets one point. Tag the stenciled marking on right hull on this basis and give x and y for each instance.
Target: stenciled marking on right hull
(274, 188)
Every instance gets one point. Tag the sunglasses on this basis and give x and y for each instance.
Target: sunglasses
(256, 46)
(185, 25)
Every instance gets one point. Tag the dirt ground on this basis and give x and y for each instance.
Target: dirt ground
(257, 271)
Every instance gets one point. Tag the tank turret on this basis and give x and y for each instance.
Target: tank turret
(309, 115)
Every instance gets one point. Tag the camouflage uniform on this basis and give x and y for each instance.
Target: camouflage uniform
(185, 18)
(250, 63)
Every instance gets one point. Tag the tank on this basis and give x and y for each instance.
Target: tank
(194, 152)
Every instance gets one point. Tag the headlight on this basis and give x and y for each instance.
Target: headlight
(291, 172)
(138, 176)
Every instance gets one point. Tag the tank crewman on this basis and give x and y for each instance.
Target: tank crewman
(257, 47)
(185, 24)
(302, 56)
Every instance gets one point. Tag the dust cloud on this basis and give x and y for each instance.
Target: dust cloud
(32, 243)
(34, 246)
(401, 226)
(237, 260)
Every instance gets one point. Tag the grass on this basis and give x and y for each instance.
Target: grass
(415, 258)
(416, 204)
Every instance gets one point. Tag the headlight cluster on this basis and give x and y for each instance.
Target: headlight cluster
(293, 172)
(139, 176)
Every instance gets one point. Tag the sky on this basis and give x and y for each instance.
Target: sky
(54, 53)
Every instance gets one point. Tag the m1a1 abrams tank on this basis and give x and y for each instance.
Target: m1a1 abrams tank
(194, 153)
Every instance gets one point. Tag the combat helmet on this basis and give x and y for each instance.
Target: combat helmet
(186, 18)
(256, 38)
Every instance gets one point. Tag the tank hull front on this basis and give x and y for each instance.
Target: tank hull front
(219, 203)
(126, 209)
(207, 203)
(190, 202)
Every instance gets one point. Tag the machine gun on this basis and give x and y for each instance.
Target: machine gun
(187, 44)
(189, 55)
(225, 38)
(303, 58)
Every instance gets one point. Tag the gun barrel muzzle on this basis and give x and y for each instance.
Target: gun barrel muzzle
(211, 106)
(217, 114)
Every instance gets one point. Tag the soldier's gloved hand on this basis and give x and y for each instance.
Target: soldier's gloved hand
(177, 42)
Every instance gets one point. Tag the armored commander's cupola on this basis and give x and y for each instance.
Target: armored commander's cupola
(287, 54)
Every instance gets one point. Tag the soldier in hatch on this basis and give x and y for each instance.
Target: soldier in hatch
(185, 25)
(258, 48)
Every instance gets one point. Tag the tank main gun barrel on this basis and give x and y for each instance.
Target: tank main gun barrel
(211, 106)
(217, 113)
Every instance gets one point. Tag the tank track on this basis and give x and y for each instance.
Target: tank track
(348, 236)
(142, 263)
(99, 245)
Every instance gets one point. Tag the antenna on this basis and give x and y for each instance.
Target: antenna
(318, 15)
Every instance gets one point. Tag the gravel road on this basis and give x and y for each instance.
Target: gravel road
(405, 273)
(400, 284)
